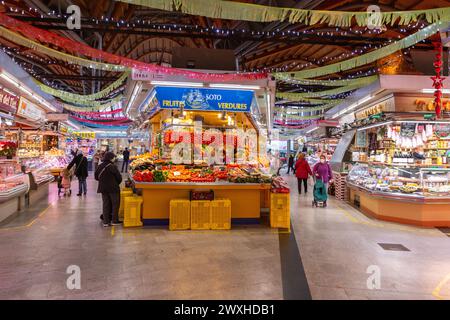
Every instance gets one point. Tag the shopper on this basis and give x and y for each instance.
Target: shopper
(126, 159)
(97, 157)
(322, 170)
(291, 164)
(109, 179)
(302, 172)
(81, 171)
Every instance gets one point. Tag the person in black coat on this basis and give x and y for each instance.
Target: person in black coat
(109, 179)
(81, 171)
(126, 159)
(291, 164)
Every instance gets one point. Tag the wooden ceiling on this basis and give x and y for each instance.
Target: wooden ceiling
(146, 45)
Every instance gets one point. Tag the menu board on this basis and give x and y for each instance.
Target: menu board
(361, 139)
(8, 102)
(408, 129)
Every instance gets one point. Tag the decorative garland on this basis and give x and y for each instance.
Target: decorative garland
(100, 126)
(219, 9)
(116, 63)
(366, 58)
(98, 113)
(438, 79)
(96, 108)
(326, 83)
(304, 117)
(308, 109)
(107, 120)
(79, 98)
(101, 105)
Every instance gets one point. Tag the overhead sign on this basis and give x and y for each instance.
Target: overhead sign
(84, 135)
(29, 110)
(57, 116)
(8, 102)
(204, 99)
(386, 105)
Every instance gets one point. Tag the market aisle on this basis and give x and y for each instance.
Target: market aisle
(338, 244)
(150, 263)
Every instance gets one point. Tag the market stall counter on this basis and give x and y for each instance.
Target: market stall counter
(247, 199)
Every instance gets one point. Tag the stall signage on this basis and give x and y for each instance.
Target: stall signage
(57, 116)
(63, 128)
(29, 110)
(442, 130)
(386, 105)
(8, 102)
(204, 99)
(84, 135)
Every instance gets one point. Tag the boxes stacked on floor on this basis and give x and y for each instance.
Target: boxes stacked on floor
(200, 214)
(340, 183)
(180, 214)
(280, 210)
(132, 211)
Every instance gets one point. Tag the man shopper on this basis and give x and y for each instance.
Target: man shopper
(126, 159)
(109, 179)
(291, 163)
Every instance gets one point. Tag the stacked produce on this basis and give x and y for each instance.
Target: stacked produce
(145, 169)
(279, 185)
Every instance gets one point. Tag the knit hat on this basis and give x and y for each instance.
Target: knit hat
(109, 156)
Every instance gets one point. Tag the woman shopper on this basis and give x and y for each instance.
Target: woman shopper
(81, 171)
(109, 179)
(322, 170)
(302, 172)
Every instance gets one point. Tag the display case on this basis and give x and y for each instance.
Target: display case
(39, 171)
(393, 180)
(12, 181)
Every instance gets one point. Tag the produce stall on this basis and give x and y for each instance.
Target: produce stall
(220, 131)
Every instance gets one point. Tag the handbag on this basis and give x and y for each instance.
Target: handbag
(103, 170)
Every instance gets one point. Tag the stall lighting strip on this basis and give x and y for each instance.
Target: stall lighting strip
(233, 86)
(311, 130)
(177, 84)
(24, 89)
(353, 106)
(73, 125)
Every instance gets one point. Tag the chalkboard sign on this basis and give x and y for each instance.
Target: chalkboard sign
(408, 129)
(442, 130)
(361, 139)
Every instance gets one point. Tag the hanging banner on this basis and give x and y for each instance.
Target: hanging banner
(29, 110)
(57, 116)
(204, 99)
(8, 102)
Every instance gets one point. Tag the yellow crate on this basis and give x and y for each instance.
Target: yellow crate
(123, 193)
(180, 214)
(280, 210)
(132, 212)
(200, 215)
(221, 214)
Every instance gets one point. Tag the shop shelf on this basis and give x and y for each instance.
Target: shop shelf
(132, 212)
(123, 194)
(221, 214)
(180, 214)
(280, 210)
(200, 215)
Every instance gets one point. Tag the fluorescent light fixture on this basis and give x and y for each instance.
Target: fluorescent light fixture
(133, 97)
(352, 106)
(234, 86)
(268, 110)
(10, 92)
(375, 125)
(311, 130)
(176, 84)
(433, 90)
(73, 125)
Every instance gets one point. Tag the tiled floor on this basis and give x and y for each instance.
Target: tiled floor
(337, 245)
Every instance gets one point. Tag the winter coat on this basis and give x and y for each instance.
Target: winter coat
(81, 166)
(323, 171)
(108, 177)
(302, 169)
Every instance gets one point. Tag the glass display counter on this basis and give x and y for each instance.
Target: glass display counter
(413, 195)
(13, 186)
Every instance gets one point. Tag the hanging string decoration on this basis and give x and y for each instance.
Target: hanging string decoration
(438, 79)
(219, 9)
(79, 98)
(115, 62)
(367, 57)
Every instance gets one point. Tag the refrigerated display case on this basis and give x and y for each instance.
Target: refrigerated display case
(13, 186)
(414, 195)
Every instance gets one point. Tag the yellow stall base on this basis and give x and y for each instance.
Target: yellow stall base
(280, 210)
(221, 214)
(132, 214)
(200, 215)
(123, 194)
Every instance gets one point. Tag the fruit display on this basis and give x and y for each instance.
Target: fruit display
(145, 169)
